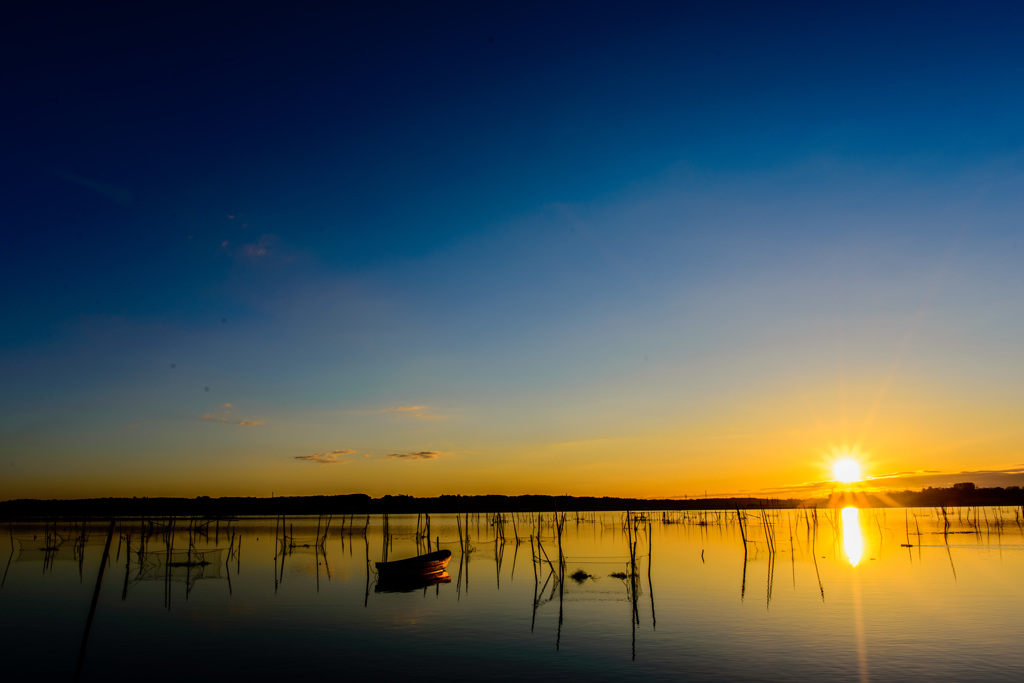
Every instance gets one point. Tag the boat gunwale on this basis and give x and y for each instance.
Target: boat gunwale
(430, 563)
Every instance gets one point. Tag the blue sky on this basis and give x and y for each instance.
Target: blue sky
(576, 248)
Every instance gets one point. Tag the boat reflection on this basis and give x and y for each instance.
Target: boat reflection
(409, 583)
(853, 538)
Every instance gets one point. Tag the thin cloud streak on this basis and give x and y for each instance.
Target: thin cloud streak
(330, 458)
(418, 412)
(225, 417)
(1010, 476)
(919, 479)
(421, 455)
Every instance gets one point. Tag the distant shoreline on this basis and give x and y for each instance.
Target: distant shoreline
(958, 495)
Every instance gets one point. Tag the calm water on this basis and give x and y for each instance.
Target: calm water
(839, 597)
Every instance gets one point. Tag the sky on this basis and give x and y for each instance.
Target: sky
(646, 250)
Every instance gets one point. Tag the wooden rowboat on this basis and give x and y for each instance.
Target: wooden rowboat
(421, 565)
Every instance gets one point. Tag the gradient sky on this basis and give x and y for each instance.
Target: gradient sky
(519, 247)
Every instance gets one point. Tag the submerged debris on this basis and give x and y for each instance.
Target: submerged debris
(579, 576)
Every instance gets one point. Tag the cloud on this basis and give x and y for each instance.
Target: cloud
(910, 479)
(1009, 476)
(266, 252)
(330, 458)
(418, 412)
(225, 416)
(422, 455)
(322, 458)
(263, 248)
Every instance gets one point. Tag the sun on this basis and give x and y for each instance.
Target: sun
(846, 470)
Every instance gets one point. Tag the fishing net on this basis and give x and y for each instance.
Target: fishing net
(186, 566)
(44, 550)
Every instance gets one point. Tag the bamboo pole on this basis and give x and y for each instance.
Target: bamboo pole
(95, 601)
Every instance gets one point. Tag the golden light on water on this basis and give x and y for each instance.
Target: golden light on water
(853, 539)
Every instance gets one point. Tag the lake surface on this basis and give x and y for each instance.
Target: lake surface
(887, 595)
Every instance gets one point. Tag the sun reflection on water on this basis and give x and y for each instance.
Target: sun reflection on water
(853, 540)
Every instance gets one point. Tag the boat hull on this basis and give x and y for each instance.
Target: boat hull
(421, 565)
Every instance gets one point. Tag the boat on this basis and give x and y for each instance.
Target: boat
(419, 566)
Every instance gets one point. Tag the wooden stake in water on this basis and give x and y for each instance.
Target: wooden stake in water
(95, 600)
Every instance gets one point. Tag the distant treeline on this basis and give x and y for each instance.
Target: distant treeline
(359, 503)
